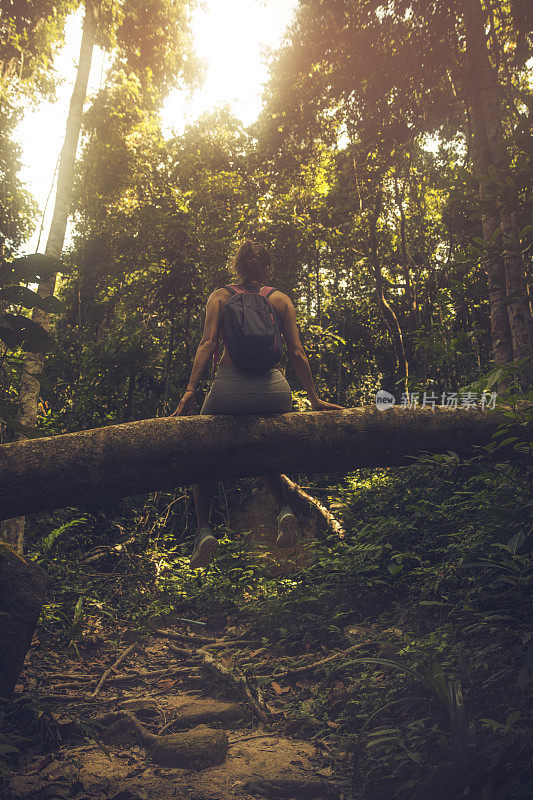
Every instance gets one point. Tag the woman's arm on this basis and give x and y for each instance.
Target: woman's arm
(204, 353)
(298, 359)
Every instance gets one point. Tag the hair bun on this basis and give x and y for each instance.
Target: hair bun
(251, 261)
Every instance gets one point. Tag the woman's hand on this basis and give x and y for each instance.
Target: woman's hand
(322, 405)
(185, 405)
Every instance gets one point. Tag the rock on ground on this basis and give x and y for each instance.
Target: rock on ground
(22, 594)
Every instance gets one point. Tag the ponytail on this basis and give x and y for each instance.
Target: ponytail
(251, 262)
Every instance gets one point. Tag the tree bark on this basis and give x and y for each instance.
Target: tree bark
(33, 363)
(317, 278)
(481, 160)
(310, 505)
(387, 312)
(409, 294)
(137, 457)
(131, 390)
(500, 204)
(170, 355)
(13, 532)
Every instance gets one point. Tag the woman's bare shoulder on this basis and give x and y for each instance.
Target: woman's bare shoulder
(281, 301)
(219, 294)
(282, 295)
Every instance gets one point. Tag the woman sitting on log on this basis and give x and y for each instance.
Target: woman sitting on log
(250, 316)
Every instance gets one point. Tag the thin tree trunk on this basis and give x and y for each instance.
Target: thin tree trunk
(309, 292)
(481, 160)
(34, 362)
(131, 390)
(318, 293)
(170, 353)
(187, 330)
(411, 310)
(341, 355)
(387, 313)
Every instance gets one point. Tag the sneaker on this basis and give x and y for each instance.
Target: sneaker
(204, 549)
(287, 528)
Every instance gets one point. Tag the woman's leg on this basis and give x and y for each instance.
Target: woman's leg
(287, 522)
(203, 499)
(205, 490)
(276, 398)
(274, 485)
(226, 396)
(205, 544)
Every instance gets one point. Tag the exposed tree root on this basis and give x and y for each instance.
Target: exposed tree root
(311, 667)
(111, 669)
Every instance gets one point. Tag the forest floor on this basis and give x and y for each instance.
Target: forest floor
(169, 684)
(164, 691)
(390, 659)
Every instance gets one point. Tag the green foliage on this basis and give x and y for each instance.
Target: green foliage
(7, 750)
(17, 210)
(340, 179)
(19, 332)
(16, 330)
(31, 34)
(436, 568)
(52, 538)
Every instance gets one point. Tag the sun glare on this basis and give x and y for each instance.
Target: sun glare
(230, 37)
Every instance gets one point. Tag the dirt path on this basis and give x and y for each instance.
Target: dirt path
(258, 762)
(172, 681)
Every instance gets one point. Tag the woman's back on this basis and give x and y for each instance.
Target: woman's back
(277, 299)
(252, 265)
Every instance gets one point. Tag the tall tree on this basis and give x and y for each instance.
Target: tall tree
(13, 530)
(147, 40)
(34, 362)
(401, 70)
(498, 193)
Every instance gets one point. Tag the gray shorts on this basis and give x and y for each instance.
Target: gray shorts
(234, 392)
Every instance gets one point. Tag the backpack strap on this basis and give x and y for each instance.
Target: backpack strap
(266, 291)
(234, 288)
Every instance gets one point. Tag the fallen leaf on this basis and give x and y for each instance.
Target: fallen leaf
(274, 710)
(280, 689)
(397, 631)
(166, 684)
(327, 772)
(42, 764)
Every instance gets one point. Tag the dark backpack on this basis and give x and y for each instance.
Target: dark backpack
(250, 330)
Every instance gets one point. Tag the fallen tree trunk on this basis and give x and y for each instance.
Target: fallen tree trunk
(122, 460)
